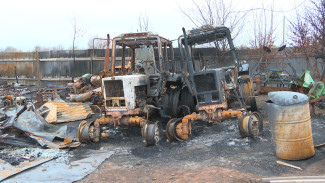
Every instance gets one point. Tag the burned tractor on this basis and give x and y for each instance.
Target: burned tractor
(215, 90)
(145, 87)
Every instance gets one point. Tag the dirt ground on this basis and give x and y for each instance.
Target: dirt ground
(214, 154)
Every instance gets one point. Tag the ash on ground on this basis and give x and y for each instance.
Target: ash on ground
(15, 156)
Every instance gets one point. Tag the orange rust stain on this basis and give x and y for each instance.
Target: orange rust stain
(26, 69)
(293, 133)
(22, 69)
(7, 69)
(19, 55)
(66, 141)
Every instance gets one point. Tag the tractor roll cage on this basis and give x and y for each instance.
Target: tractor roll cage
(136, 40)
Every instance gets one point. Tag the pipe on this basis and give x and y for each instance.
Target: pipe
(81, 97)
(100, 110)
(77, 85)
(95, 80)
(230, 114)
(123, 60)
(107, 55)
(37, 68)
(188, 55)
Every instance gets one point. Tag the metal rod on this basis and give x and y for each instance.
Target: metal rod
(37, 68)
(107, 55)
(123, 60)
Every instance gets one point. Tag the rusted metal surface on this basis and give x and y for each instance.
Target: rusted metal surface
(123, 60)
(81, 97)
(17, 56)
(97, 107)
(127, 99)
(131, 112)
(9, 170)
(96, 80)
(267, 89)
(250, 125)
(77, 85)
(24, 69)
(258, 85)
(8, 100)
(137, 121)
(125, 118)
(246, 85)
(59, 112)
(291, 179)
(89, 131)
(180, 128)
(107, 54)
(291, 129)
(212, 112)
(230, 114)
(133, 40)
(37, 68)
(40, 97)
(24, 119)
(215, 89)
(151, 133)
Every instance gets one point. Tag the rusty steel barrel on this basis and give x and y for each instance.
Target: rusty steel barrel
(289, 117)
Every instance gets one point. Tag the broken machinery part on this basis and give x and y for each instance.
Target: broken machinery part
(89, 131)
(250, 124)
(151, 133)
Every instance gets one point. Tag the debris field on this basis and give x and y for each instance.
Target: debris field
(151, 117)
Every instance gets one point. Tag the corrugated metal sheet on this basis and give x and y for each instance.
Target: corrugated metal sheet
(60, 112)
(56, 70)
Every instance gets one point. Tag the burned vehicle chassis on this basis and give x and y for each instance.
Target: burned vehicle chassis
(146, 90)
(215, 89)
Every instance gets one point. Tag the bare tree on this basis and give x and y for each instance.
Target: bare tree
(10, 49)
(216, 13)
(78, 32)
(143, 23)
(58, 48)
(39, 48)
(301, 37)
(263, 28)
(97, 43)
(316, 18)
(309, 35)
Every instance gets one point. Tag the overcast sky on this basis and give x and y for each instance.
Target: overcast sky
(29, 23)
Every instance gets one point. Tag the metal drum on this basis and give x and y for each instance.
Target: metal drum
(289, 117)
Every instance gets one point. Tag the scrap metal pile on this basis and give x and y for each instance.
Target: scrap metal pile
(143, 85)
(156, 91)
(31, 115)
(147, 87)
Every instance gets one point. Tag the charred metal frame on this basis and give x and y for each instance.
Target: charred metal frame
(212, 105)
(137, 107)
(106, 54)
(135, 40)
